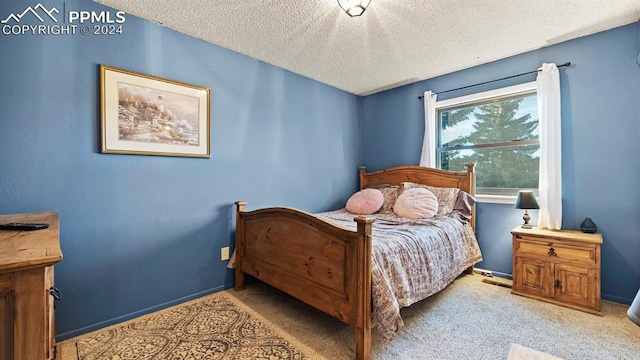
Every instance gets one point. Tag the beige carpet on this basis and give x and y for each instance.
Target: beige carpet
(213, 327)
(467, 320)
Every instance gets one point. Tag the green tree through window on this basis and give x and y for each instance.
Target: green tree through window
(500, 136)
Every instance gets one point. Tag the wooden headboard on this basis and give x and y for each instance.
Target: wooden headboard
(465, 181)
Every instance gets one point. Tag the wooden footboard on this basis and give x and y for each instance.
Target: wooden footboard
(324, 265)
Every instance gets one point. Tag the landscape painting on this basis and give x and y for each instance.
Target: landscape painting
(147, 115)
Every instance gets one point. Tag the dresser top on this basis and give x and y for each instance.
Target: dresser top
(571, 235)
(24, 249)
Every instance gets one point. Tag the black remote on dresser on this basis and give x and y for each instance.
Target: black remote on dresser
(15, 226)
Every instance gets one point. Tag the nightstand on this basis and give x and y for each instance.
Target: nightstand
(558, 266)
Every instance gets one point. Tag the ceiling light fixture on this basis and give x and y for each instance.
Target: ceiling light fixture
(354, 7)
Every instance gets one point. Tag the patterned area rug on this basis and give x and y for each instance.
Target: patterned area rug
(213, 327)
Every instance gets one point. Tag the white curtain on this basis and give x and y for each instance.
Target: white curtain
(550, 186)
(428, 157)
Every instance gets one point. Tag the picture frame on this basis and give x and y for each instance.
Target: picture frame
(148, 115)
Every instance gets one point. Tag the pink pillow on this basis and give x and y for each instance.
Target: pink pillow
(416, 203)
(365, 202)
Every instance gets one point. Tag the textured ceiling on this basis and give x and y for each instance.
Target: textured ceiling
(395, 42)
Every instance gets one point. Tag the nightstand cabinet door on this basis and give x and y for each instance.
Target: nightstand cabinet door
(577, 285)
(533, 277)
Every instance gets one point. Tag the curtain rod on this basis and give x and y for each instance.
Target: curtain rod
(492, 81)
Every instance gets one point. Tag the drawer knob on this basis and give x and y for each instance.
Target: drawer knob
(558, 284)
(552, 252)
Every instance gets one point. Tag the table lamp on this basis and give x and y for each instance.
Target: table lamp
(526, 200)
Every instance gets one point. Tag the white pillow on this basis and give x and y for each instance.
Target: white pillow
(365, 202)
(446, 196)
(416, 203)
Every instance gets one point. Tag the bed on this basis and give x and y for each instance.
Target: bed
(333, 261)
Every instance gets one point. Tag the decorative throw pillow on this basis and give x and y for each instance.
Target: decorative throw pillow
(390, 193)
(365, 202)
(416, 203)
(446, 196)
(464, 204)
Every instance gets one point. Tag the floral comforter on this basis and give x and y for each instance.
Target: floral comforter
(412, 259)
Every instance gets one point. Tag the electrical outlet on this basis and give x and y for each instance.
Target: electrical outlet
(224, 253)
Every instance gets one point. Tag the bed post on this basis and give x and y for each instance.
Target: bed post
(472, 192)
(362, 171)
(239, 276)
(363, 288)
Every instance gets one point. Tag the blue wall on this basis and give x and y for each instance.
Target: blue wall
(140, 233)
(600, 131)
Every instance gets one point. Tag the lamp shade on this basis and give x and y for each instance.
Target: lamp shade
(526, 200)
(354, 7)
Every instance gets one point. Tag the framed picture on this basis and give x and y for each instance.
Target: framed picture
(148, 115)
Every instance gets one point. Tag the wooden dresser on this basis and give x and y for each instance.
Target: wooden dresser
(27, 328)
(558, 266)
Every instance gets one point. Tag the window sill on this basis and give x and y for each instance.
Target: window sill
(496, 199)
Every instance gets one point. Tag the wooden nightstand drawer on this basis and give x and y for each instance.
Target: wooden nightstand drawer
(554, 249)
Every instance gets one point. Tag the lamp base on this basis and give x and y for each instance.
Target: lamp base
(526, 219)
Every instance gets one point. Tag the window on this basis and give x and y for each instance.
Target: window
(498, 131)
